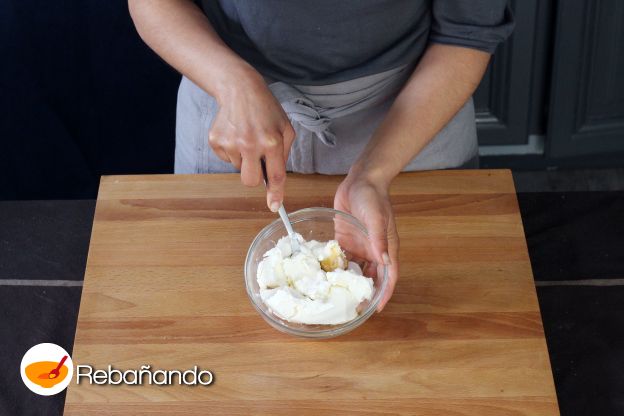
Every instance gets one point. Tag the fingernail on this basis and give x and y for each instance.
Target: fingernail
(275, 206)
(386, 259)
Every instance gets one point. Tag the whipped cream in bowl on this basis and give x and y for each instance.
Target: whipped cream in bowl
(327, 288)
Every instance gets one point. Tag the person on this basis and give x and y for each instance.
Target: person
(366, 88)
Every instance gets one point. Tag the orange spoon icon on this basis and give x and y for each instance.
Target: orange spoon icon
(54, 373)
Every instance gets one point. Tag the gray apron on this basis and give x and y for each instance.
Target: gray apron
(333, 124)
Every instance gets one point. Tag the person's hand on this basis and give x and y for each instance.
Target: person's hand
(369, 201)
(251, 125)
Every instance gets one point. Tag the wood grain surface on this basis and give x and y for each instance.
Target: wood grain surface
(164, 286)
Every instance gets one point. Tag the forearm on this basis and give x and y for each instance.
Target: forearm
(182, 35)
(441, 84)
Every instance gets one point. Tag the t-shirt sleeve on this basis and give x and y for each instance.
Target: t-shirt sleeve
(478, 24)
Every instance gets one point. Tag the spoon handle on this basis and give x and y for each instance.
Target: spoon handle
(282, 212)
(291, 233)
(264, 172)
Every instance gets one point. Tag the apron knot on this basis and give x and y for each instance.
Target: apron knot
(300, 109)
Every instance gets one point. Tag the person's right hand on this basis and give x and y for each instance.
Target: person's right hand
(251, 125)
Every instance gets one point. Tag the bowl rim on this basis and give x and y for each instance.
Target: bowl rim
(333, 330)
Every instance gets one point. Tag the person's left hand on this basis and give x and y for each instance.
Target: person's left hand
(369, 202)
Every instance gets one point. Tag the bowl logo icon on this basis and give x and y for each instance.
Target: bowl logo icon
(46, 369)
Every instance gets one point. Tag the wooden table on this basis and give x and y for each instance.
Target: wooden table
(164, 286)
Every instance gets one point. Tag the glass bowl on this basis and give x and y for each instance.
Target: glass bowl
(321, 224)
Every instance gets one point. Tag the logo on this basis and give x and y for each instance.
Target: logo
(46, 369)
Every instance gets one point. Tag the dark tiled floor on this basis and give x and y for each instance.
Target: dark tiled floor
(39, 240)
(569, 180)
(44, 239)
(570, 236)
(574, 235)
(585, 334)
(28, 316)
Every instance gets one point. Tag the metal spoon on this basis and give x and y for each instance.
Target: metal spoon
(294, 244)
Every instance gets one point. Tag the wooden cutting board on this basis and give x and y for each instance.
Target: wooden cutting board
(164, 287)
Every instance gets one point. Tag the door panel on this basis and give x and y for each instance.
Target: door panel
(587, 105)
(502, 101)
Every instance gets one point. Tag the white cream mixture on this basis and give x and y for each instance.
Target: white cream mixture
(316, 285)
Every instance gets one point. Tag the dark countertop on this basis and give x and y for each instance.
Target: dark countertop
(576, 245)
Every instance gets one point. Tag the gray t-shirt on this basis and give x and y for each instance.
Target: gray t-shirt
(319, 42)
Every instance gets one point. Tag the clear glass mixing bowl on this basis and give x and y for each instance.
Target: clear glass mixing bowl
(321, 224)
